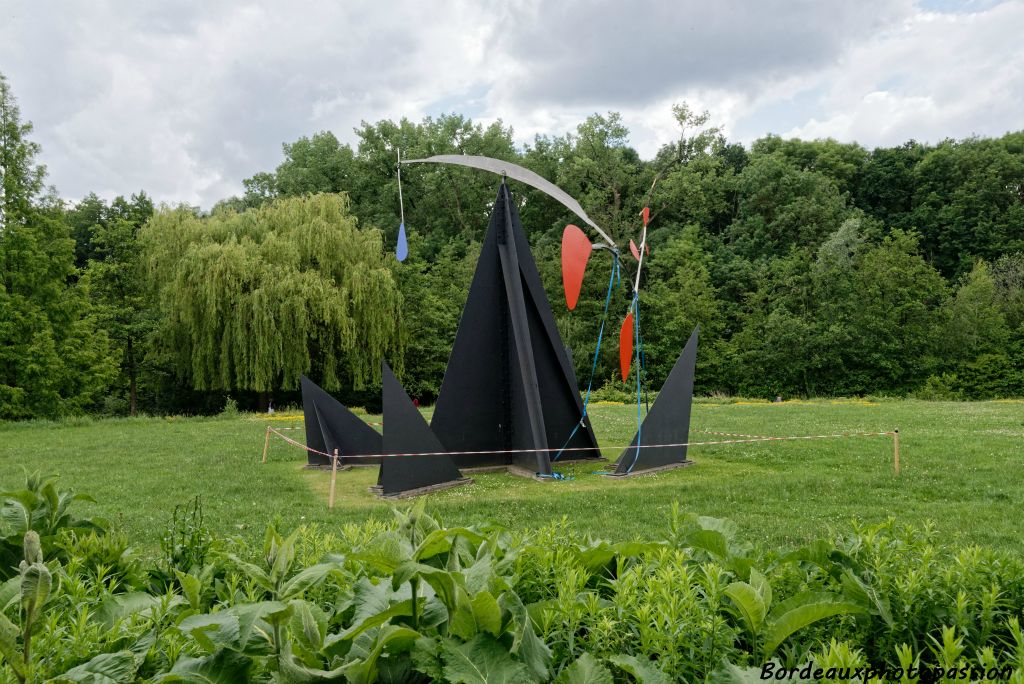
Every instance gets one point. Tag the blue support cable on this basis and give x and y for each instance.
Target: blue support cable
(643, 355)
(614, 279)
(639, 418)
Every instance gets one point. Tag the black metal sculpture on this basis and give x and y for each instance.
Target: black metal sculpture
(667, 423)
(414, 460)
(509, 386)
(330, 425)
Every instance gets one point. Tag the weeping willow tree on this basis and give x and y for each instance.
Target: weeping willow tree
(251, 300)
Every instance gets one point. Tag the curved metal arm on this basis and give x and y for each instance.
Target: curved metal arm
(523, 175)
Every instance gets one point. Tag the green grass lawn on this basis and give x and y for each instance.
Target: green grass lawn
(961, 472)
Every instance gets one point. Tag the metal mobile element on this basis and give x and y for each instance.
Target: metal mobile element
(523, 175)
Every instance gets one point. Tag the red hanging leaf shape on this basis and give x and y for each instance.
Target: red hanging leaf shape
(576, 249)
(634, 250)
(647, 215)
(626, 345)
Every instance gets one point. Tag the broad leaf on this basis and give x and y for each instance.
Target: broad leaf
(117, 607)
(586, 670)
(426, 658)
(242, 628)
(370, 599)
(762, 587)
(254, 572)
(440, 541)
(213, 631)
(390, 639)
(9, 645)
(525, 642)
(388, 551)
(749, 603)
(487, 613)
(305, 579)
(106, 668)
(712, 541)
(191, 587)
(224, 667)
(402, 608)
(860, 592)
(727, 673)
(483, 660)
(294, 672)
(10, 592)
(801, 610)
(35, 586)
(643, 671)
(308, 625)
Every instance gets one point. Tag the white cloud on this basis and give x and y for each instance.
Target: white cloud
(185, 100)
(936, 76)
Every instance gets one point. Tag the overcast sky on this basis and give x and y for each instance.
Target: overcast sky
(185, 99)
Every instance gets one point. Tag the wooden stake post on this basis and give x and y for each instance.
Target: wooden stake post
(896, 450)
(266, 444)
(334, 477)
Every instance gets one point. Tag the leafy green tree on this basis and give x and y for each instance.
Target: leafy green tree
(775, 342)
(250, 301)
(780, 206)
(899, 316)
(598, 168)
(433, 294)
(842, 163)
(122, 308)
(53, 359)
(678, 297)
(976, 324)
(1008, 276)
(969, 201)
(886, 189)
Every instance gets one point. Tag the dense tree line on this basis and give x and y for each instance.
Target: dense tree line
(813, 267)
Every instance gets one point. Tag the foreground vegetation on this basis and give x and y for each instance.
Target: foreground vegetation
(960, 462)
(412, 600)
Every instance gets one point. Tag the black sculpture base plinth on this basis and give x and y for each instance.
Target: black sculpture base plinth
(420, 491)
(651, 471)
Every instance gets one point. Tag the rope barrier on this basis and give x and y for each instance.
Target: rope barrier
(751, 440)
(729, 434)
(303, 428)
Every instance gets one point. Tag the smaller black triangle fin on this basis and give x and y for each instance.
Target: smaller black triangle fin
(406, 432)
(330, 425)
(668, 421)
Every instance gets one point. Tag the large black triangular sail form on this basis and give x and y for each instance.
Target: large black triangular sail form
(406, 432)
(668, 421)
(509, 386)
(330, 426)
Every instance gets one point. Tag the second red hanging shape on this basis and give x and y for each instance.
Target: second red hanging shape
(626, 345)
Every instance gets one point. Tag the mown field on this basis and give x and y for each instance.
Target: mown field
(961, 474)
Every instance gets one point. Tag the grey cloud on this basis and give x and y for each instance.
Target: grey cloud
(616, 53)
(185, 101)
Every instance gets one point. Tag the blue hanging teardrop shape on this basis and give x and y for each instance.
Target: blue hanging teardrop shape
(402, 251)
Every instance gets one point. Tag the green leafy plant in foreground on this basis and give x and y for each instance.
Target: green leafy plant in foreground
(415, 601)
(32, 585)
(44, 509)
